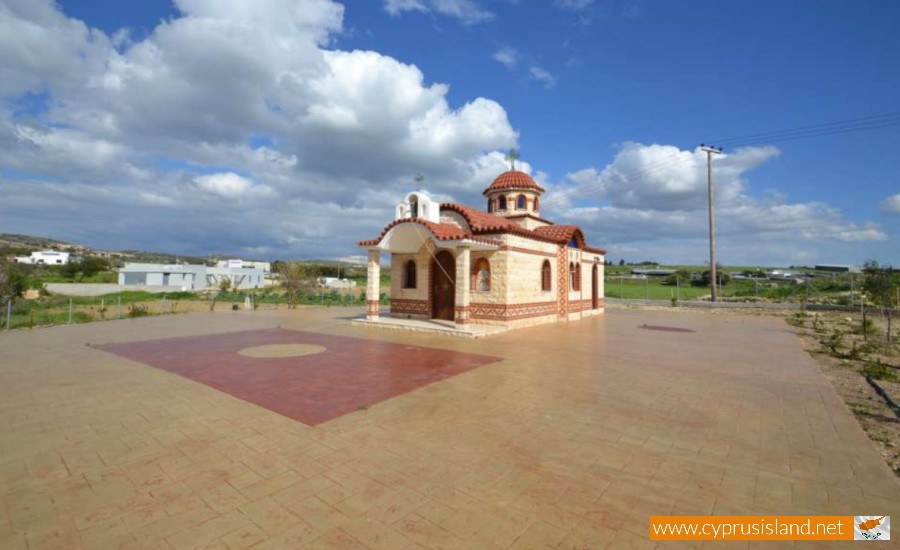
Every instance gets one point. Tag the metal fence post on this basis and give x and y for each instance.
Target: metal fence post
(70, 310)
(119, 306)
(8, 314)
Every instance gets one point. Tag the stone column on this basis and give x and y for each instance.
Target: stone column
(373, 285)
(463, 276)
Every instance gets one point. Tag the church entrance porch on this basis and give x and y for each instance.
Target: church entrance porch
(443, 286)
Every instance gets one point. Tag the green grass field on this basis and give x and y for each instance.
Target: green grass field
(654, 288)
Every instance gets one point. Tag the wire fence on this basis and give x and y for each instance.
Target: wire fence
(19, 313)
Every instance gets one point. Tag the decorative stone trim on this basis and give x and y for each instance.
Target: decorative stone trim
(501, 312)
(462, 314)
(409, 306)
(372, 308)
(579, 305)
(562, 283)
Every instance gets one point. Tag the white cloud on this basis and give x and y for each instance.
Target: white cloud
(658, 193)
(891, 205)
(506, 56)
(168, 122)
(542, 75)
(467, 11)
(230, 185)
(235, 127)
(574, 5)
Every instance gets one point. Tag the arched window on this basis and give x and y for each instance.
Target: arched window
(578, 276)
(414, 207)
(546, 276)
(572, 276)
(501, 203)
(490, 205)
(409, 274)
(573, 242)
(537, 204)
(481, 275)
(520, 202)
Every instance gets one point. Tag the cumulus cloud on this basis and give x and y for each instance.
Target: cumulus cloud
(467, 11)
(239, 128)
(891, 205)
(230, 185)
(228, 101)
(656, 193)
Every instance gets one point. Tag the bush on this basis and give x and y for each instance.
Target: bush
(680, 277)
(879, 371)
(136, 310)
(834, 343)
(705, 278)
(870, 327)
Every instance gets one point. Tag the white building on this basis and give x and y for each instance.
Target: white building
(190, 277)
(265, 266)
(334, 282)
(45, 257)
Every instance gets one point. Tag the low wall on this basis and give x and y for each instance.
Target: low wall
(98, 289)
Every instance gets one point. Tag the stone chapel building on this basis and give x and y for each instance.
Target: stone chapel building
(506, 266)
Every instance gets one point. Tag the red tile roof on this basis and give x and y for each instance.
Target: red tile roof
(441, 232)
(483, 223)
(513, 179)
(479, 220)
(558, 233)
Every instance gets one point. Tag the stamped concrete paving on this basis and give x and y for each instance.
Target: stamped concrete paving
(306, 376)
(572, 440)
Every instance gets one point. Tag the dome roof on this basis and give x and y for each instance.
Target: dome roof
(513, 179)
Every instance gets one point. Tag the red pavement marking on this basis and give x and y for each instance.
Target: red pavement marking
(350, 374)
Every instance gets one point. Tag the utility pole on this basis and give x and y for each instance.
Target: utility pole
(710, 151)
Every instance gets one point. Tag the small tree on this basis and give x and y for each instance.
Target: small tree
(88, 267)
(706, 278)
(12, 283)
(295, 277)
(882, 285)
(680, 277)
(225, 285)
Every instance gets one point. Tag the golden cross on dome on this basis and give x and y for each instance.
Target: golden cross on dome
(512, 157)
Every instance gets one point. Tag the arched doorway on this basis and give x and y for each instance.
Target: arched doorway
(443, 286)
(595, 294)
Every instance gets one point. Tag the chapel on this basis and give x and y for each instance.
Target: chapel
(505, 265)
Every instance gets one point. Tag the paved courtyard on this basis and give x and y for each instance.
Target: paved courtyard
(113, 435)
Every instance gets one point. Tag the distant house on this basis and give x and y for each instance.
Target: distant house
(45, 257)
(655, 272)
(334, 282)
(189, 276)
(837, 268)
(265, 266)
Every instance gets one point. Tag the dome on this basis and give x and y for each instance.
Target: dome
(513, 179)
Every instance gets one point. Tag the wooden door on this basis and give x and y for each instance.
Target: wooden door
(443, 281)
(595, 292)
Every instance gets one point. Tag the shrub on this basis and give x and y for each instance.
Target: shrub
(137, 310)
(880, 371)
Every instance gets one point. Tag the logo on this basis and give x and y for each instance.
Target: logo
(871, 527)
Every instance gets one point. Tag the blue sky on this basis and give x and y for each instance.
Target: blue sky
(210, 128)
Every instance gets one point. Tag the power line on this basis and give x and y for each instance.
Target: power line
(834, 125)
